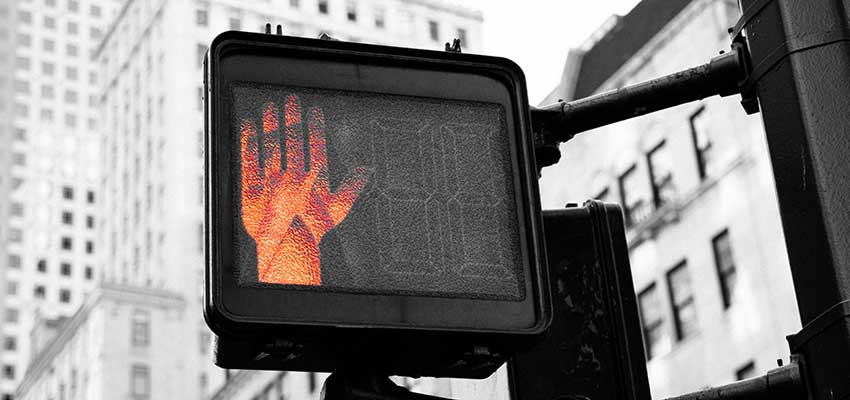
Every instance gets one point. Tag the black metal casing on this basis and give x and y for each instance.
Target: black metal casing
(593, 349)
(290, 328)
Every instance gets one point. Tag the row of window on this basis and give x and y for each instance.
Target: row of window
(14, 262)
(48, 69)
(16, 235)
(48, 45)
(351, 14)
(681, 297)
(73, 7)
(639, 200)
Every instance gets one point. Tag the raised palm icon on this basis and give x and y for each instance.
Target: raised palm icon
(288, 211)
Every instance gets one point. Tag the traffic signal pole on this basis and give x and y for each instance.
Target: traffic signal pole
(801, 54)
(797, 64)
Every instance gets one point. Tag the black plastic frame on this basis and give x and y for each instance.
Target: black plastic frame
(435, 74)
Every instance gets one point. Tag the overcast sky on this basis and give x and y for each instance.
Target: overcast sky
(536, 34)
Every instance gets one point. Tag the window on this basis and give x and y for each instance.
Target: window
(71, 50)
(351, 12)
(312, 381)
(200, 52)
(204, 342)
(140, 328)
(380, 18)
(725, 264)
(22, 63)
(323, 6)
(95, 33)
(20, 134)
(201, 17)
(19, 159)
(39, 292)
(140, 382)
(746, 371)
(66, 243)
(434, 30)
(48, 45)
(71, 74)
(24, 40)
(201, 238)
(47, 92)
(461, 34)
(67, 218)
(65, 296)
(632, 196)
(11, 288)
(16, 209)
(67, 193)
(73, 6)
(90, 197)
(655, 338)
(89, 273)
(25, 17)
(14, 261)
(94, 11)
(73, 28)
(15, 235)
(47, 68)
(89, 247)
(661, 175)
(682, 301)
(22, 86)
(49, 22)
(89, 222)
(12, 315)
(294, 3)
(41, 266)
(8, 371)
(65, 269)
(235, 23)
(702, 143)
(47, 114)
(10, 343)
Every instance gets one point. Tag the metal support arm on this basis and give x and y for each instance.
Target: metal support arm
(724, 75)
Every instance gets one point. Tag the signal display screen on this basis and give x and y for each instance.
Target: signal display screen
(379, 193)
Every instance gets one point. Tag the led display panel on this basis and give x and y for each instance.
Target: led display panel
(417, 198)
(355, 189)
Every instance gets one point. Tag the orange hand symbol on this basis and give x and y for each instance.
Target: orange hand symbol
(289, 212)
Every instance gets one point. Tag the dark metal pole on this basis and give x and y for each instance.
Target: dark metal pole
(724, 75)
(801, 55)
(783, 383)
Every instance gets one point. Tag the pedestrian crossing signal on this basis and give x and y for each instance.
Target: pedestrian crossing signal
(362, 198)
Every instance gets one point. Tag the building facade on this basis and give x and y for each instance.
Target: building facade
(49, 181)
(706, 243)
(117, 329)
(149, 200)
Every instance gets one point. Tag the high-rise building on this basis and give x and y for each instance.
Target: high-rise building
(706, 244)
(150, 199)
(49, 179)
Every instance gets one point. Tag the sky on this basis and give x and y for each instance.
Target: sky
(537, 34)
